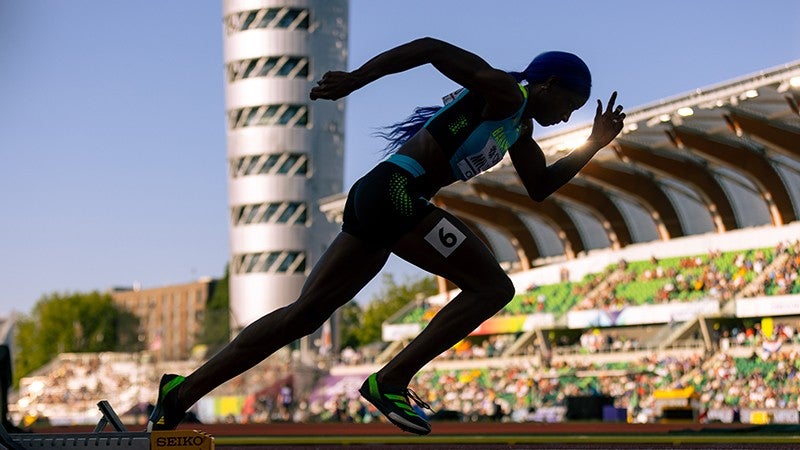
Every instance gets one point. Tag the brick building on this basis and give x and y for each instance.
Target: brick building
(171, 317)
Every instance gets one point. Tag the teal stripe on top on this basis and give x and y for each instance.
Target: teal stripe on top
(408, 163)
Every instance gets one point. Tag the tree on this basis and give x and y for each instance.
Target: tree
(217, 326)
(349, 323)
(72, 323)
(362, 326)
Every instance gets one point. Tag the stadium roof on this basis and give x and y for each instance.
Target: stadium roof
(717, 159)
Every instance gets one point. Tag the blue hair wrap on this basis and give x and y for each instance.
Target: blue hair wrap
(571, 72)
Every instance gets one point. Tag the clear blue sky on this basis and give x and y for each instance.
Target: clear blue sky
(112, 122)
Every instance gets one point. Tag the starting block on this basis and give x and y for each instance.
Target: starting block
(118, 438)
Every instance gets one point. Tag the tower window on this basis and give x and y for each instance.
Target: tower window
(290, 213)
(285, 262)
(268, 66)
(269, 115)
(290, 164)
(283, 18)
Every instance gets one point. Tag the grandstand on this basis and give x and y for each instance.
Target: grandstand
(656, 343)
(665, 276)
(490, 375)
(65, 392)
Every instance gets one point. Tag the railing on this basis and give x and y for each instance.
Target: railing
(578, 355)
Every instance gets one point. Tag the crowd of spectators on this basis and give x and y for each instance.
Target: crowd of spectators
(67, 390)
(715, 275)
(479, 348)
(78, 381)
(688, 278)
(766, 378)
(516, 392)
(596, 341)
(769, 378)
(769, 381)
(784, 279)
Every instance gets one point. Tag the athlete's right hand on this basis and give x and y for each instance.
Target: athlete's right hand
(608, 123)
(335, 85)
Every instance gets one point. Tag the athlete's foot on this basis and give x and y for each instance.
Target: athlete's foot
(167, 413)
(394, 403)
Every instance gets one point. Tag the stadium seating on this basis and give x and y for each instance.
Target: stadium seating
(477, 380)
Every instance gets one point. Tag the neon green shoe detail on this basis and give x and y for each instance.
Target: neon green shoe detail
(395, 404)
(167, 414)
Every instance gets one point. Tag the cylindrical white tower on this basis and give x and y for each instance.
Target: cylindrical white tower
(284, 151)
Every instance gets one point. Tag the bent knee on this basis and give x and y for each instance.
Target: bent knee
(506, 290)
(498, 291)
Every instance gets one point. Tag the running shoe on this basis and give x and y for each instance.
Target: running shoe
(167, 414)
(395, 404)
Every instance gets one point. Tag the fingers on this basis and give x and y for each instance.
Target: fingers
(332, 86)
(318, 92)
(610, 115)
(615, 113)
(619, 116)
(321, 90)
(611, 102)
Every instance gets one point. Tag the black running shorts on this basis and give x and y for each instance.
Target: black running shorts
(386, 203)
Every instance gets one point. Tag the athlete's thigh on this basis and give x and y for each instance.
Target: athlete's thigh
(443, 245)
(344, 269)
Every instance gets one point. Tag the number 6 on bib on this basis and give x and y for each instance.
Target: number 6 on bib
(445, 237)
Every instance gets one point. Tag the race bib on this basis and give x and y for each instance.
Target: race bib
(445, 237)
(481, 161)
(447, 99)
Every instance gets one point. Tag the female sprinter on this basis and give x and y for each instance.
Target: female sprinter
(388, 211)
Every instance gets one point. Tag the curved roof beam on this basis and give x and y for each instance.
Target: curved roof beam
(749, 161)
(781, 136)
(593, 198)
(646, 191)
(473, 225)
(503, 219)
(549, 210)
(689, 172)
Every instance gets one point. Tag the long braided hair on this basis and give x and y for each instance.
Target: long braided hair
(571, 72)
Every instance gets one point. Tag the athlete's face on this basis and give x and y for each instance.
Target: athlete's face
(555, 104)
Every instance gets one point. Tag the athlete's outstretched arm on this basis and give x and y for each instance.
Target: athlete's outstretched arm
(541, 180)
(463, 67)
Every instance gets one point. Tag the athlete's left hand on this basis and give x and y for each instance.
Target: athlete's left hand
(335, 85)
(608, 123)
